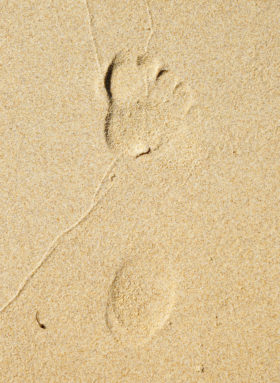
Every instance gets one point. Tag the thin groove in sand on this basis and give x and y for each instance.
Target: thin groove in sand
(151, 25)
(54, 244)
(94, 41)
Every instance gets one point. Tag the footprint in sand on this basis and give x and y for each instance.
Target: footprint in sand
(147, 104)
(140, 299)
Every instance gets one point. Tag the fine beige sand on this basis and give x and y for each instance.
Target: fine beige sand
(139, 191)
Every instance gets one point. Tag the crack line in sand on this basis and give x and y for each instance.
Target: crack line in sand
(94, 40)
(151, 25)
(150, 18)
(55, 243)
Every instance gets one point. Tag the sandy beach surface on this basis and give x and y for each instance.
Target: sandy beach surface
(139, 191)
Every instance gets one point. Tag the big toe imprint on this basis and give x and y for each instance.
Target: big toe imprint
(147, 104)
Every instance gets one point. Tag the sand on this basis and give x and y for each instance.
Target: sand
(140, 184)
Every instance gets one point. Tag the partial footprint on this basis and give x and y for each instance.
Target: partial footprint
(147, 104)
(140, 299)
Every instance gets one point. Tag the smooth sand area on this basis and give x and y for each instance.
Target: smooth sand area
(139, 191)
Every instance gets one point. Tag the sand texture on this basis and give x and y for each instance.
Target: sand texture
(139, 191)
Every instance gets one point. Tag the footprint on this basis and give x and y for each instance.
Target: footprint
(140, 299)
(147, 104)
